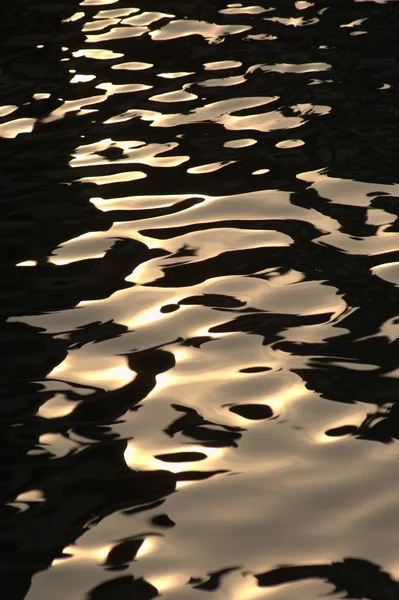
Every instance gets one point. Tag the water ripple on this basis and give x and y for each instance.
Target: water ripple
(200, 300)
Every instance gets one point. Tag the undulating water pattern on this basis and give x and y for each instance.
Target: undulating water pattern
(200, 299)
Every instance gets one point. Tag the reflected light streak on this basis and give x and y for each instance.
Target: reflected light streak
(56, 407)
(132, 66)
(175, 75)
(147, 317)
(242, 143)
(75, 17)
(67, 261)
(31, 496)
(248, 589)
(148, 546)
(261, 172)
(85, 554)
(164, 583)
(209, 168)
(110, 378)
(82, 78)
(7, 109)
(281, 399)
(120, 375)
(11, 129)
(27, 263)
(116, 178)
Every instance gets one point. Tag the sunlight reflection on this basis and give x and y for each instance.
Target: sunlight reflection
(78, 367)
(85, 554)
(13, 128)
(27, 263)
(116, 178)
(149, 545)
(164, 583)
(7, 109)
(57, 407)
(31, 496)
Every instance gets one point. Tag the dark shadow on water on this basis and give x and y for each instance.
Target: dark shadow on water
(356, 578)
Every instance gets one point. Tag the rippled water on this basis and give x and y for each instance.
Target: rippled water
(200, 300)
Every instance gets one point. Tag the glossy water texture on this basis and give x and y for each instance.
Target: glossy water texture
(200, 271)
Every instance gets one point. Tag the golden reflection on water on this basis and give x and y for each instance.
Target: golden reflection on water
(90, 368)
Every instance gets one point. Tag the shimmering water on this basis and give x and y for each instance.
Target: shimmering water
(200, 300)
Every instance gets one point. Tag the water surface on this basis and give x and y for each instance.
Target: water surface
(199, 300)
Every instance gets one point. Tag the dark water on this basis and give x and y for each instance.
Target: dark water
(200, 306)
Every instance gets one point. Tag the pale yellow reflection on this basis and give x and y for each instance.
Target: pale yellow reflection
(115, 12)
(27, 263)
(387, 272)
(116, 178)
(261, 36)
(210, 168)
(268, 121)
(222, 64)
(243, 143)
(149, 545)
(31, 496)
(146, 18)
(97, 53)
(292, 68)
(7, 109)
(208, 243)
(354, 23)
(85, 367)
(346, 191)
(293, 21)
(129, 202)
(147, 317)
(303, 4)
(311, 109)
(138, 455)
(117, 33)
(246, 588)
(93, 244)
(223, 81)
(42, 96)
(261, 204)
(175, 75)
(213, 455)
(106, 143)
(290, 144)
(73, 105)
(185, 27)
(84, 554)
(82, 78)
(165, 583)
(11, 129)
(133, 152)
(110, 88)
(98, 25)
(280, 400)
(238, 9)
(97, 2)
(218, 112)
(132, 66)
(261, 172)
(57, 407)
(177, 96)
(75, 17)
